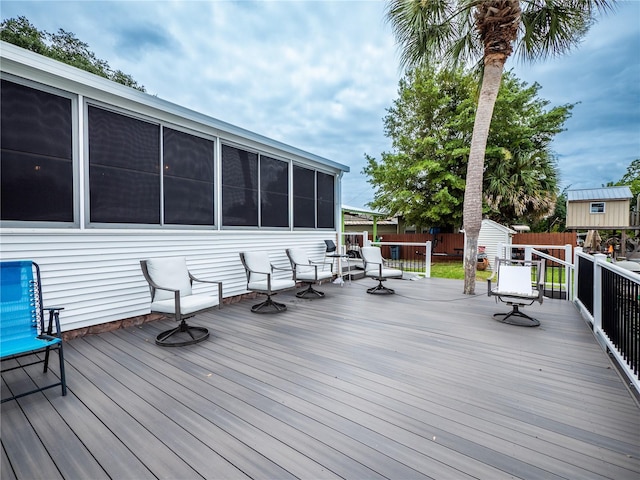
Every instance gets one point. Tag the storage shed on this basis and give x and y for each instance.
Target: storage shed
(97, 176)
(491, 235)
(599, 208)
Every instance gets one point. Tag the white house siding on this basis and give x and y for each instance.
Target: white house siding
(95, 274)
(491, 234)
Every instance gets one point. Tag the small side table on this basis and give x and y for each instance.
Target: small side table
(341, 274)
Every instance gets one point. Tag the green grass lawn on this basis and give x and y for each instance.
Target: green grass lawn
(455, 270)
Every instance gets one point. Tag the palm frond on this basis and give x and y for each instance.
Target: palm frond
(550, 28)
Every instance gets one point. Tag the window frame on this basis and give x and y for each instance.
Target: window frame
(161, 124)
(595, 210)
(316, 200)
(75, 153)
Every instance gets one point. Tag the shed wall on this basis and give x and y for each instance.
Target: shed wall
(616, 215)
(490, 236)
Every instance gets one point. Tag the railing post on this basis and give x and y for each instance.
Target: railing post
(500, 252)
(567, 272)
(576, 268)
(527, 252)
(597, 291)
(427, 260)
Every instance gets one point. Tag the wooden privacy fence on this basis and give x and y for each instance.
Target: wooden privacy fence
(449, 246)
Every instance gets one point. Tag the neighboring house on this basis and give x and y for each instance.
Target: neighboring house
(358, 220)
(599, 208)
(96, 176)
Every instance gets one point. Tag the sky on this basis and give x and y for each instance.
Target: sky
(320, 75)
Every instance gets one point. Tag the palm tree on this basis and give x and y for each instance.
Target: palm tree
(485, 32)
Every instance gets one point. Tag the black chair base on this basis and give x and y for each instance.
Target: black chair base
(182, 335)
(269, 306)
(381, 289)
(310, 290)
(516, 317)
(62, 383)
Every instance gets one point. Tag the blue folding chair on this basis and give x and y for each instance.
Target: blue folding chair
(22, 324)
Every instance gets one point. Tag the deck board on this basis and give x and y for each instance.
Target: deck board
(421, 384)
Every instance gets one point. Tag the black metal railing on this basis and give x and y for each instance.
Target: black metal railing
(585, 283)
(621, 316)
(555, 281)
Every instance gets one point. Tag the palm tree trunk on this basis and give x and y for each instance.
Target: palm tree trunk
(472, 208)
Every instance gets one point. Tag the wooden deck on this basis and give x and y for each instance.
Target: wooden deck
(422, 384)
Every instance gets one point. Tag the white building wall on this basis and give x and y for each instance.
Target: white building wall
(95, 274)
(491, 234)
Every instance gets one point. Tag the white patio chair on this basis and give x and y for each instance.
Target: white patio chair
(375, 267)
(260, 279)
(307, 271)
(170, 284)
(519, 283)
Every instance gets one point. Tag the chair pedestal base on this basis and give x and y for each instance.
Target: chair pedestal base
(310, 290)
(381, 289)
(269, 306)
(516, 317)
(182, 335)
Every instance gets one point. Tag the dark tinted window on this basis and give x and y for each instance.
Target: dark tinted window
(274, 192)
(124, 177)
(326, 202)
(37, 161)
(304, 197)
(239, 187)
(188, 178)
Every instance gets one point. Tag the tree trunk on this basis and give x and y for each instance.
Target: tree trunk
(472, 208)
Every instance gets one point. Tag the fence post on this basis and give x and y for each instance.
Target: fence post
(427, 259)
(567, 272)
(365, 239)
(597, 291)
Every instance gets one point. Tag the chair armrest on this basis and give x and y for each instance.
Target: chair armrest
(274, 267)
(489, 286)
(317, 264)
(215, 282)
(385, 263)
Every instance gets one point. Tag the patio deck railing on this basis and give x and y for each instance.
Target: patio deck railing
(558, 265)
(609, 299)
(414, 257)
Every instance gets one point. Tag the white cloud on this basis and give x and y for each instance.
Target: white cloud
(319, 75)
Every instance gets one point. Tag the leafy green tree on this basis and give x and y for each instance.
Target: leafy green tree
(632, 177)
(485, 32)
(430, 125)
(62, 46)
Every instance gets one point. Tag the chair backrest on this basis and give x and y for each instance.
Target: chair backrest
(256, 262)
(331, 246)
(515, 279)
(20, 300)
(299, 260)
(170, 272)
(372, 257)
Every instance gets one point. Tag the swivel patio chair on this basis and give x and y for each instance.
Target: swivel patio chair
(261, 279)
(307, 271)
(170, 284)
(23, 331)
(519, 283)
(375, 267)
